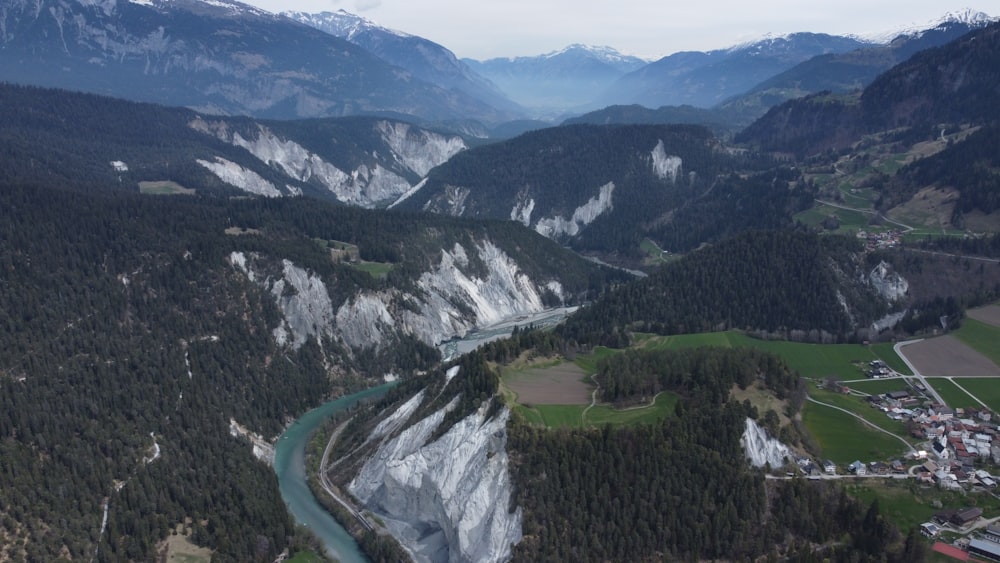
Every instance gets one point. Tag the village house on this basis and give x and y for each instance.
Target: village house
(858, 468)
(829, 467)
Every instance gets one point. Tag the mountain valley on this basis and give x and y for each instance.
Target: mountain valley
(216, 218)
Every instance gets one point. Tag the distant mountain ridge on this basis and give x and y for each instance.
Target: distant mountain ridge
(426, 59)
(221, 57)
(956, 83)
(561, 79)
(846, 72)
(704, 79)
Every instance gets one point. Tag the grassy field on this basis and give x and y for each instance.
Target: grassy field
(907, 505)
(860, 407)
(843, 361)
(981, 337)
(850, 221)
(377, 270)
(986, 389)
(952, 395)
(164, 188)
(843, 438)
(180, 549)
(662, 408)
(572, 416)
(588, 362)
(879, 386)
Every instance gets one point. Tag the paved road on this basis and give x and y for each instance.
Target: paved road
(963, 256)
(898, 348)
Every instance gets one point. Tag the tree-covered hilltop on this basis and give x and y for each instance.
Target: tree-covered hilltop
(774, 281)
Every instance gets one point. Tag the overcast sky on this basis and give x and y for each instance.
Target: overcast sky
(482, 29)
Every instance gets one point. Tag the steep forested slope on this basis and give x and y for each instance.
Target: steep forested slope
(956, 83)
(603, 190)
(774, 281)
(136, 327)
(93, 142)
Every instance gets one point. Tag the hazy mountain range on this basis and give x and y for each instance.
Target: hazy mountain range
(267, 65)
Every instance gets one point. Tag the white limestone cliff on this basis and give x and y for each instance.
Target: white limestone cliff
(452, 300)
(447, 500)
(584, 215)
(240, 177)
(367, 185)
(761, 449)
(888, 283)
(665, 166)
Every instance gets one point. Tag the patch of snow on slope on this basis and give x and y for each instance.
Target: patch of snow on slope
(239, 177)
(762, 449)
(418, 150)
(446, 500)
(664, 165)
(583, 216)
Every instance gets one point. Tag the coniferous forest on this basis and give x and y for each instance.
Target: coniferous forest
(131, 345)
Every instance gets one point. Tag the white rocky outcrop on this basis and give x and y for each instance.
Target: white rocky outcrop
(368, 184)
(239, 177)
(888, 283)
(447, 500)
(584, 215)
(521, 212)
(665, 166)
(503, 292)
(417, 149)
(452, 300)
(761, 449)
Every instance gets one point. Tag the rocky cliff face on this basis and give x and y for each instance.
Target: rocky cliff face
(397, 155)
(762, 449)
(447, 500)
(888, 283)
(454, 297)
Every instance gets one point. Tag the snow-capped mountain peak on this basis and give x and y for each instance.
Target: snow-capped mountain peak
(341, 23)
(601, 52)
(969, 17)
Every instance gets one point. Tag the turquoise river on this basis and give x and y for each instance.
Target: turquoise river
(289, 464)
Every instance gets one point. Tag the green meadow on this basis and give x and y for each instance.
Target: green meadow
(981, 337)
(986, 389)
